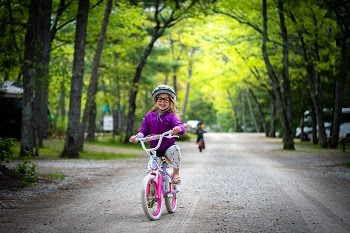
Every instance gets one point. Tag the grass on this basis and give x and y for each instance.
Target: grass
(105, 155)
(53, 148)
(54, 176)
(112, 142)
(346, 164)
(308, 146)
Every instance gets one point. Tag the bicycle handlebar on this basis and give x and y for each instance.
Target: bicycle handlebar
(167, 134)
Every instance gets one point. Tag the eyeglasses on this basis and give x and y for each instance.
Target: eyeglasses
(165, 100)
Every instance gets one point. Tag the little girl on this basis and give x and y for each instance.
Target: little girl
(161, 118)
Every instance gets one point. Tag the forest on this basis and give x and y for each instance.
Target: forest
(238, 66)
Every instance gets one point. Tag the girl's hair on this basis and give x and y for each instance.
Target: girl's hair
(172, 105)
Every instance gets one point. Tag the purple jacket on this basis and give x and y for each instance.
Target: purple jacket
(152, 124)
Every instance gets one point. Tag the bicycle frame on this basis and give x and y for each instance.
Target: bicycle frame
(158, 169)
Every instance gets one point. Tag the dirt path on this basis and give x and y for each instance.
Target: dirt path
(240, 183)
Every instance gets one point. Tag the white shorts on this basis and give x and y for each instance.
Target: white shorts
(173, 153)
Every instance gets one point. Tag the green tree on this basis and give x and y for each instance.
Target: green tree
(90, 104)
(165, 15)
(71, 144)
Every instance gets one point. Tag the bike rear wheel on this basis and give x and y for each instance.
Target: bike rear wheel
(151, 198)
(171, 197)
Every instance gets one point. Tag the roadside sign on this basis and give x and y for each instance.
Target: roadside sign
(108, 123)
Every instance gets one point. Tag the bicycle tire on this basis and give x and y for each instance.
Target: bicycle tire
(170, 198)
(151, 198)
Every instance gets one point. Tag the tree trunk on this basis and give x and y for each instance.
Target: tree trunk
(188, 83)
(117, 112)
(303, 97)
(42, 71)
(287, 94)
(92, 90)
(313, 80)
(61, 111)
(174, 68)
(244, 122)
(314, 125)
(272, 128)
(166, 79)
(187, 92)
(284, 108)
(343, 74)
(301, 125)
(175, 83)
(317, 102)
(251, 112)
(236, 124)
(92, 122)
(71, 144)
(29, 74)
(261, 114)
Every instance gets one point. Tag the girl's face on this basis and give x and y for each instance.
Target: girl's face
(163, 101)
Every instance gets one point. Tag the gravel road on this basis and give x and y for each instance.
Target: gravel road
(240, 183)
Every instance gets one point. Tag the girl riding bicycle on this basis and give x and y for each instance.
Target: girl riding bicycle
(161, 118)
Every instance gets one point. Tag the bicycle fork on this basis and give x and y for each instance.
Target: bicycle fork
(158, 179)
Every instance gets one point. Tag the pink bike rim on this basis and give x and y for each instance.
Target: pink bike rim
(156, 213)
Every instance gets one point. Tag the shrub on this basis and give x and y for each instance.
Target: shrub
(5, 149)
(27, 170)
(185, 137)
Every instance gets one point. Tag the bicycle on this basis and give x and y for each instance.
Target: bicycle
(157, 184)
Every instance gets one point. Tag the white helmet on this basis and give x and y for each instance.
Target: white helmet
(163, 89)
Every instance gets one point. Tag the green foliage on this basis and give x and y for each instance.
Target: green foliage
(185, 137)
(6, 151)
(225, 120)
(27, 170)
(201, 109)
(13, 16)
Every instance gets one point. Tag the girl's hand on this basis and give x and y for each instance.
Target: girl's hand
(176, 129)
(132, 138)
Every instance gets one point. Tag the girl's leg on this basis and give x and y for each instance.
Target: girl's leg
(173, 153)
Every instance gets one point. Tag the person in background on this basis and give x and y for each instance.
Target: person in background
(200, 138)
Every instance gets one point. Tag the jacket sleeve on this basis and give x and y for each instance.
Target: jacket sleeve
(176, 122)
(144, 128)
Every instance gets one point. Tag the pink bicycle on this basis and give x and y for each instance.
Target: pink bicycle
(157, 183)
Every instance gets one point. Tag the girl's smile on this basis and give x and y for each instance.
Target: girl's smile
(162, 101)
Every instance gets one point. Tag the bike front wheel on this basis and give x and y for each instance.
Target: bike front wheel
(171, 197)
(151, 198)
